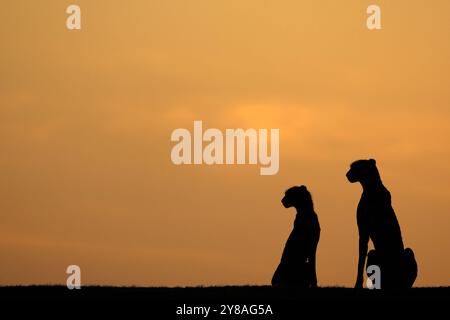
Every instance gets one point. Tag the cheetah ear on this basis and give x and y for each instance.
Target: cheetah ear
(372, 161)
(302, 187)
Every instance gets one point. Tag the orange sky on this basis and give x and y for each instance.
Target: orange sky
(86, 117)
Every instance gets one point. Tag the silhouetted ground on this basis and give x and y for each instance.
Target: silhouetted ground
(163, 303)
